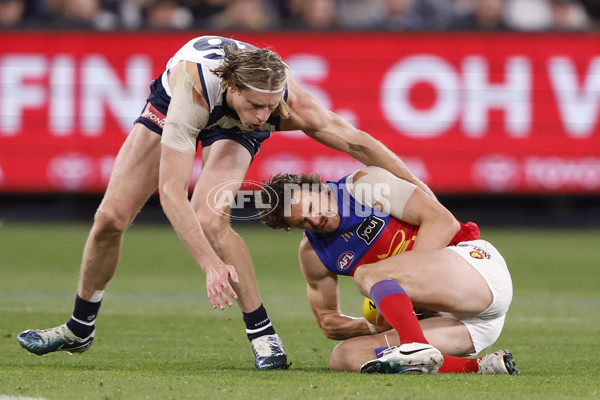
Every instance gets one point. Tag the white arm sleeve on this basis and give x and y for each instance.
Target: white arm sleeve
(380, 189)
(185, 118)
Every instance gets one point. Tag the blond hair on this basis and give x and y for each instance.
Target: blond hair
(258, 68)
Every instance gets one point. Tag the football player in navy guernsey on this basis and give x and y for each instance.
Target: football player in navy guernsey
(229, 96)
(406, 251)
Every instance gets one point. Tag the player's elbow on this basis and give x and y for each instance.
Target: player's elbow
(332, 334)
(451, 222)
(331, 329)
(356, 150)
(360, 144)
(170, 195)
(165, 194)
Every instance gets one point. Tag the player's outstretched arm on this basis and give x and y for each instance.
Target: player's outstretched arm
(188, 114)
(323, 296)
(174, 176)
(308, 115)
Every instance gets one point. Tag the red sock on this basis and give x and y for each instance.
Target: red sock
(459, 364)
(397, 309)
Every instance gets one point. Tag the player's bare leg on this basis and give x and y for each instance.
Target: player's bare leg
(224, 166)
(447, 334)
(431, 279)
(133, 180)
(438, 280)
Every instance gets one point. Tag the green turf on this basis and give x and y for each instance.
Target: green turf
(158, 338)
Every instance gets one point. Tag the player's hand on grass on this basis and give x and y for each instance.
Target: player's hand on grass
(218, 286)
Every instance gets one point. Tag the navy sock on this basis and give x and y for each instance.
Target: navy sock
(83, 318)
(258, 323)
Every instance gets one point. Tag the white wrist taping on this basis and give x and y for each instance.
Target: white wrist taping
(372, 328)
(185, 118)
(381, 189)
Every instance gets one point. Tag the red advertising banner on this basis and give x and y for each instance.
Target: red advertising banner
(510, 113)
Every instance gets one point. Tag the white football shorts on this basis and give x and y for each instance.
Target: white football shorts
(485, 328)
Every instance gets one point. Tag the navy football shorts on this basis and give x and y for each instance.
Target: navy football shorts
(154, 113)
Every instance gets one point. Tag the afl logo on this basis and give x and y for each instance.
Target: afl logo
(345, 260)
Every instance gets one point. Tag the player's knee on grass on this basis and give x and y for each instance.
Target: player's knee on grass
(339, 360)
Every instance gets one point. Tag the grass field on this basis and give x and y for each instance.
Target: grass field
(158, 338)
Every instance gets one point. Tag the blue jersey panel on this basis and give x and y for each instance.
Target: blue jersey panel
(360, 226)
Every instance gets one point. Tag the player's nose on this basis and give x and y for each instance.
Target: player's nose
(262, 115)
(315, 220)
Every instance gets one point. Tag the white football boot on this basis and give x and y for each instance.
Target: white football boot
(409, 357)
(269, 353)
(59, 338)
(498, 363)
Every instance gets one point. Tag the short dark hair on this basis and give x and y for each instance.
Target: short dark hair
(272, 196)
